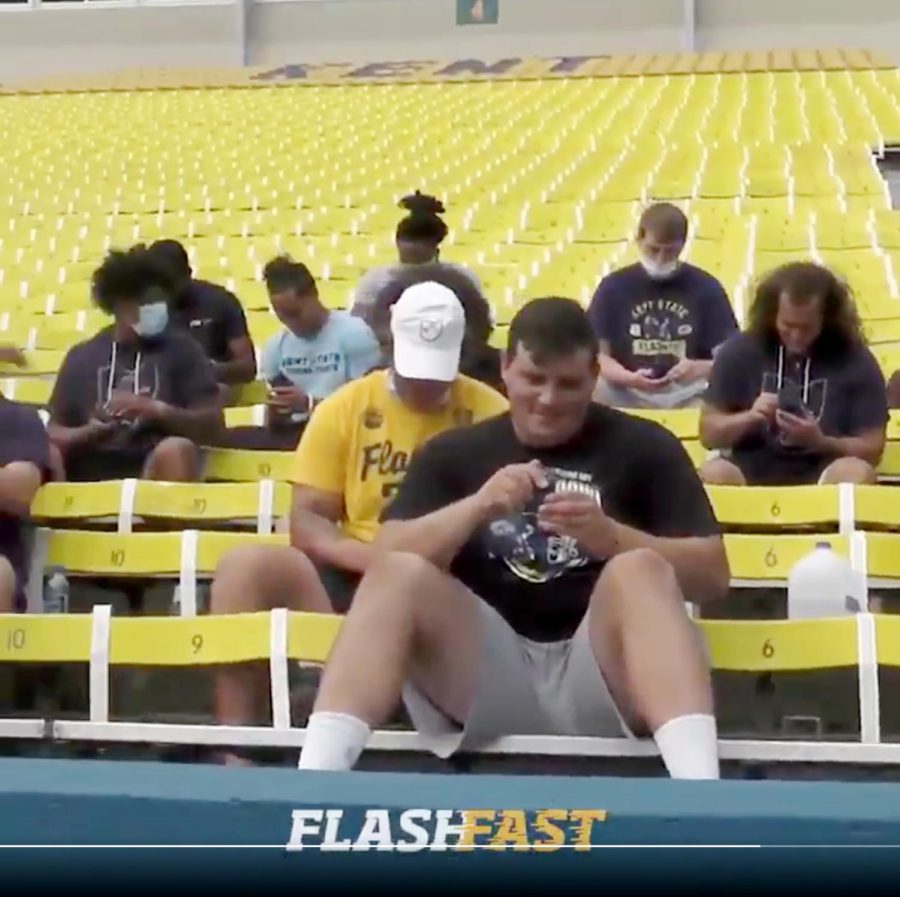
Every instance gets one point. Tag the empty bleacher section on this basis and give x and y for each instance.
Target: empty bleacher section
(770, 155)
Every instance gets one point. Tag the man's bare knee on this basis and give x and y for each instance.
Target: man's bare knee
(27, 476)
(719, 472)
(638, 572)
(260, 577)
(176, 459)
(397, 575)
(850, 470)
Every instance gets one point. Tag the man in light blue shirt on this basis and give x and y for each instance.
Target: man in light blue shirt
(318, 351)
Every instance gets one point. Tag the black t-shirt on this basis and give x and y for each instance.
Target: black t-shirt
(651, 322)
(212, 316)
(171, 368)
(845, 392)
(541, 583)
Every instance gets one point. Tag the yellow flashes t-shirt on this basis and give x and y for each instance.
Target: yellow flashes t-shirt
(359, 440)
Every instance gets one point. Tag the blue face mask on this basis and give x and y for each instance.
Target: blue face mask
(152, 319)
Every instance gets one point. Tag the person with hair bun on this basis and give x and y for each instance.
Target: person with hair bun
(419, 237)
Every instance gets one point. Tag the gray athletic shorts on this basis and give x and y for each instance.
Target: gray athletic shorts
(522, 688)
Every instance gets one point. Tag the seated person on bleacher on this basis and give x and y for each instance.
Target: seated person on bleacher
(532, 577)
(351, 458)
(318, 351)
(24, 466)
(212, 315)
(893, 390)
(659, 321)
(479, 359)
(137, 399)
(798, 398)
(419, 237)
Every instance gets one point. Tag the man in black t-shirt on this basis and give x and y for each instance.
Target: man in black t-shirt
(211, 315)
(533, 574)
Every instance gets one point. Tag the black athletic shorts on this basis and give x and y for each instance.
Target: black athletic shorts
(340, 585)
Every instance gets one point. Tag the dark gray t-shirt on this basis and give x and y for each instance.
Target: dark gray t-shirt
(24, 439)
(171, 368)
(845, 391)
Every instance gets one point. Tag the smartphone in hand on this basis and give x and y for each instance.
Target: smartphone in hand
(790, 402)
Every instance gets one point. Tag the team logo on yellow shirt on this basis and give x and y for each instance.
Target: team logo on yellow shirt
(372, 418)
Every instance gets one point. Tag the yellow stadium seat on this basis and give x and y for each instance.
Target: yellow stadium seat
(776, 507)
(883, 555)
(239, 466)
(876, 507)
(208, 502)
(770, 557)
(248, 394)
(682, 422)
(61, 502)
(737, 646)
(143, 554)
(196, 504)
(29, 390)
(778, 645)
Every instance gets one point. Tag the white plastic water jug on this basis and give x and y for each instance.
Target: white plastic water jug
(823, 584)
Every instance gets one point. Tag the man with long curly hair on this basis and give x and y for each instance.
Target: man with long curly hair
(798, 397)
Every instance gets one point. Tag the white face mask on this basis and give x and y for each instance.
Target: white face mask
(152, 319)
(656, 271)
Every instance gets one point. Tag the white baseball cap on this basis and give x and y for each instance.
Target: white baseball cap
(428, 324)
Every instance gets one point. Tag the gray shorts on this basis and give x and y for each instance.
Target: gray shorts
(522, 688)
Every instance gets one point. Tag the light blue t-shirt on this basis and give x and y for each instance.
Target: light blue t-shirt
(344, 349)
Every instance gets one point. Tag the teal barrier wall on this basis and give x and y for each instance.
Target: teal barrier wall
(91, 802)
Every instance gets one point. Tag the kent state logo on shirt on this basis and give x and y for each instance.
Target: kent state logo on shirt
(660, 327)
(321, 363)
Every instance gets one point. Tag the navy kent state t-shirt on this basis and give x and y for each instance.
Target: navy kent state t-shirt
(647, 321)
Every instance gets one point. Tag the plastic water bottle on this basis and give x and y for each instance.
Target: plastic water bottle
(823, 584)
(56, 591)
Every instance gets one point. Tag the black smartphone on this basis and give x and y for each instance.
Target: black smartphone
(661, 366)
(280, 380)
(789, 402)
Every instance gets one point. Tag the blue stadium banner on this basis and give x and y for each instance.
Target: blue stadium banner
(477, 12)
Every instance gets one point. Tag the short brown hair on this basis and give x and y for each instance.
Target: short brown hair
(665, 221)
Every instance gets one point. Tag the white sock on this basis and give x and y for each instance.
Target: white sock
(334, 742)
(688, 746)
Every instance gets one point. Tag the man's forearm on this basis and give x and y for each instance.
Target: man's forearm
(65, 438)
(238, 370)
(852, 447)
(324, 542)
(614, 372)
(438, 536)
(702, 368)
(700, 563)
(719, 430)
